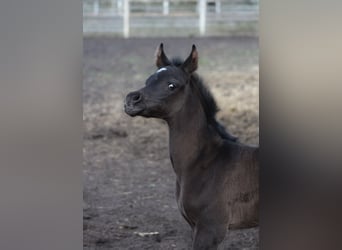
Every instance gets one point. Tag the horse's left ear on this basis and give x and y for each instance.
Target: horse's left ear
(191, 63)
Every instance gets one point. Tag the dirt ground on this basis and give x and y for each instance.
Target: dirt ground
(129, 184)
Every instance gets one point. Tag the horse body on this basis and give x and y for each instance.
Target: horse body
(217, 177)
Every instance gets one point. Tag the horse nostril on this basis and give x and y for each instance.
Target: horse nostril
(135, 97)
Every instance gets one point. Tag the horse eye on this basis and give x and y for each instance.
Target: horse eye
(172, 86)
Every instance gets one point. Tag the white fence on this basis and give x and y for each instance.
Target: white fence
(165, 17)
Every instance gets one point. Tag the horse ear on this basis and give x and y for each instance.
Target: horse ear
(161, 58)
(191, 63)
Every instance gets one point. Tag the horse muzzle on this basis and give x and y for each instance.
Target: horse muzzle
(133, 103)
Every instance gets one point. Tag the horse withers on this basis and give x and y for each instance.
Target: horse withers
(217, 183)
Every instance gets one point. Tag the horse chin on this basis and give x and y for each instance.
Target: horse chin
(143, 111)
(133, 111)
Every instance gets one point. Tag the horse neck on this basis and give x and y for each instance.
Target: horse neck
(190, 136)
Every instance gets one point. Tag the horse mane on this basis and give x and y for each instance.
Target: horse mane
(208, 102)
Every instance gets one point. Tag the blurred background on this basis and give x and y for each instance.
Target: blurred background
(170, 18)
(128, 181)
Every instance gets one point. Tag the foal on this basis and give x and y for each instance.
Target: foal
(217, 184)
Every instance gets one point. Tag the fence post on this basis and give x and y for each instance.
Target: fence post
(218, 6)
(202, 16)
(96, 7)
(126, 11)
(166, 4)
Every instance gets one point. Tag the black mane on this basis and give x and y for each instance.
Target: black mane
(208, 102)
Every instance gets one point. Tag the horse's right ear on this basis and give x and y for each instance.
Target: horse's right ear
(161, 58)
(191, 63)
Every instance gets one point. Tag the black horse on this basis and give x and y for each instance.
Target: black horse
(217, 184)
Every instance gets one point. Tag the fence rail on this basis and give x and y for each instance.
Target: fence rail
(165, 17)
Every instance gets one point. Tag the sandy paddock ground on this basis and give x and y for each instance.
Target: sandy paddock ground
(128, 179)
